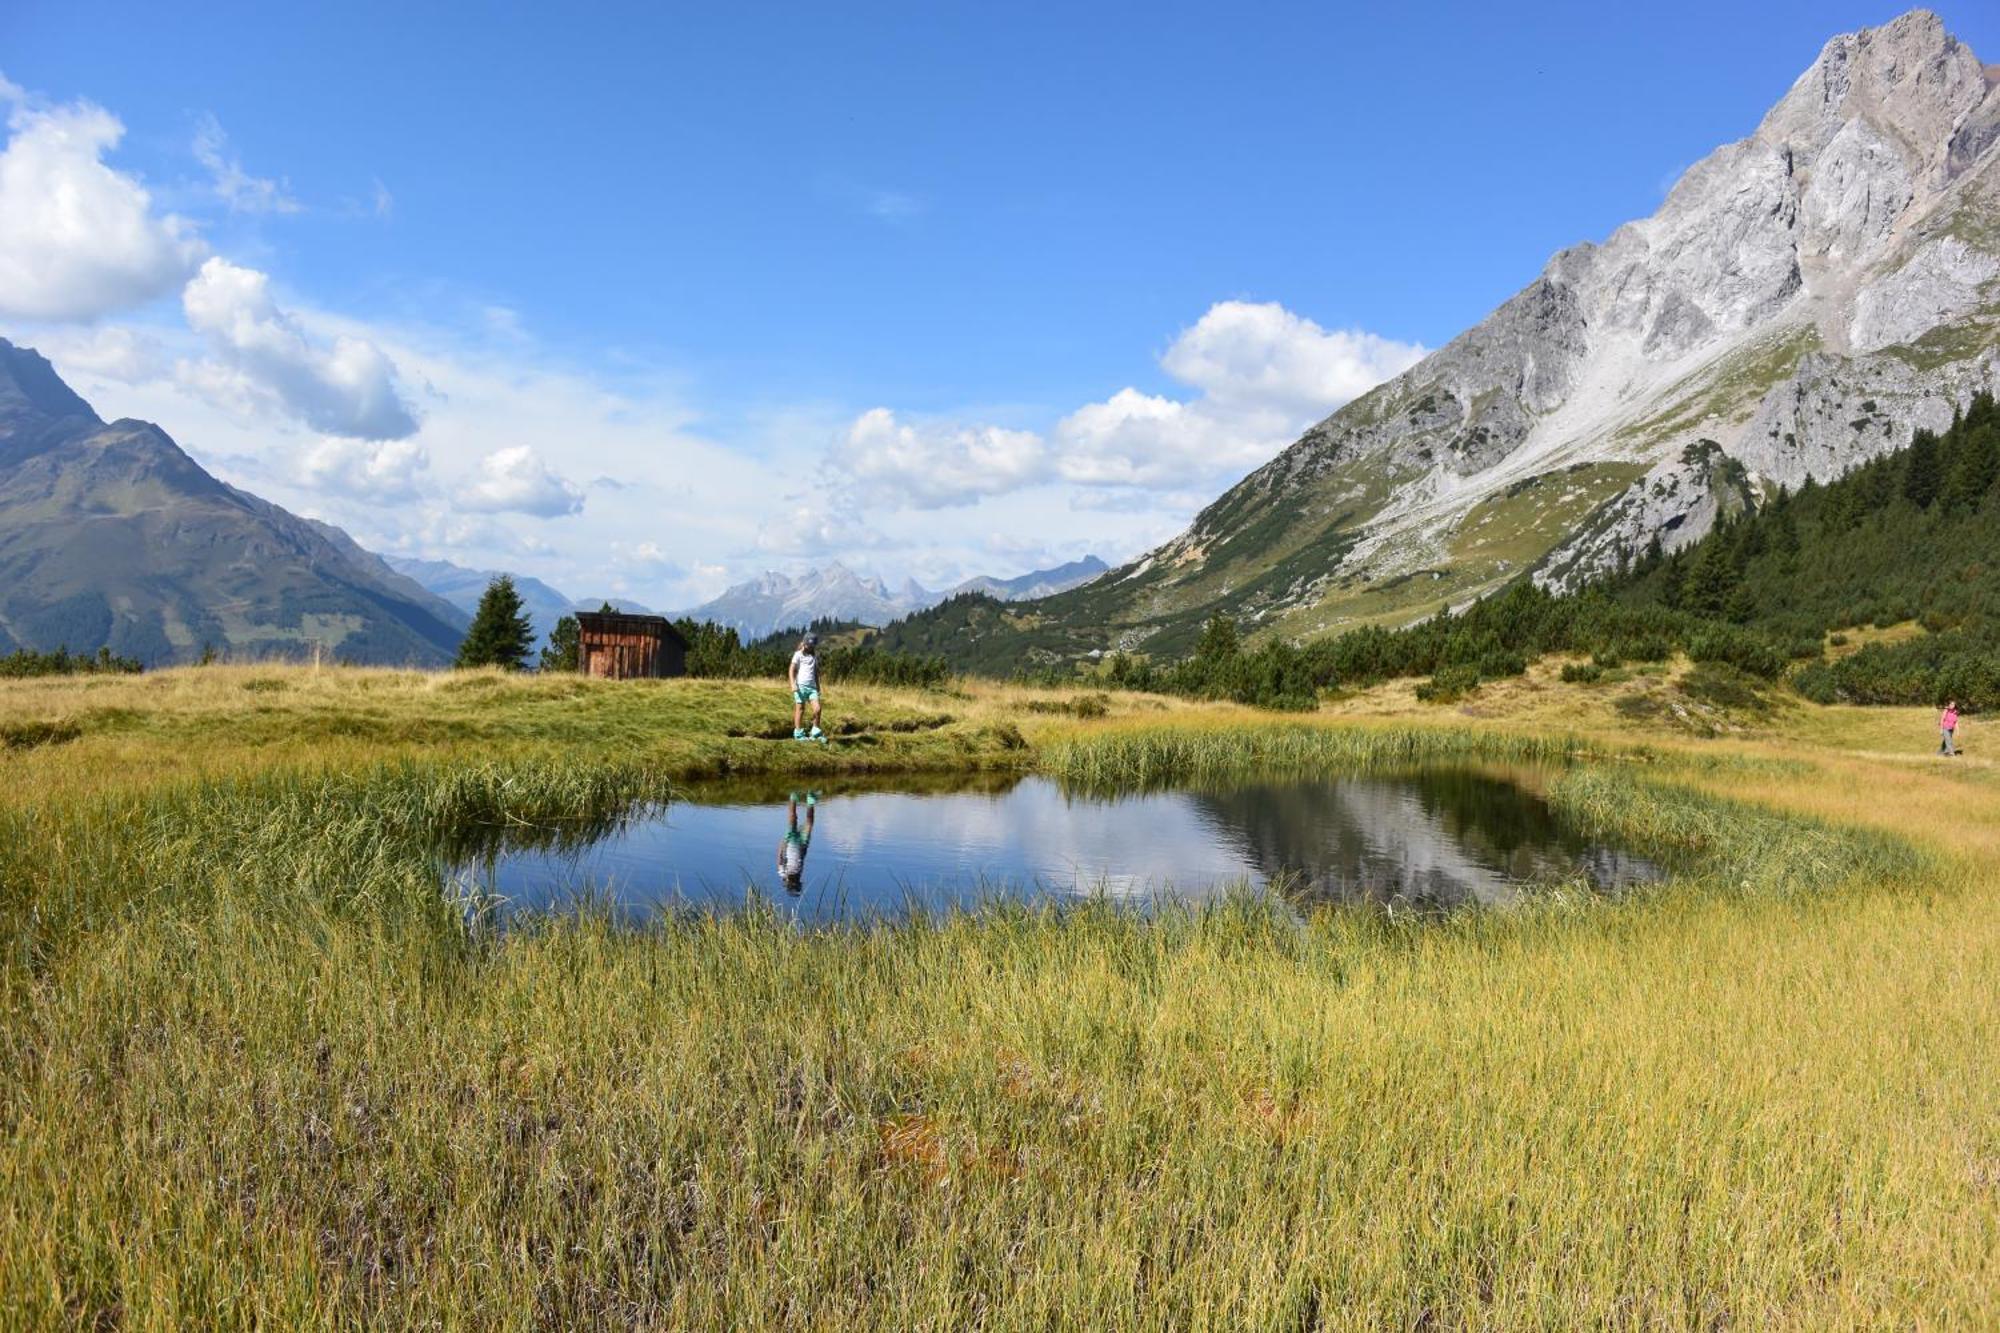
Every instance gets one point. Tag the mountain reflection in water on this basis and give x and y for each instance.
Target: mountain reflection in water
(1432, 838)
(1436, 837)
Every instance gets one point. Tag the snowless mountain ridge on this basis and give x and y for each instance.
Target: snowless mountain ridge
(774, 601)
(1803, 299)
(112, 536)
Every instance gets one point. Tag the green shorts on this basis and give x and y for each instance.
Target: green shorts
(805, 694)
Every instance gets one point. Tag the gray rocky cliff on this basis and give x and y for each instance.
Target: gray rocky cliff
(1803, 299)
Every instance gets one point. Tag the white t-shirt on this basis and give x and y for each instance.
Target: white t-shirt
(805, 667)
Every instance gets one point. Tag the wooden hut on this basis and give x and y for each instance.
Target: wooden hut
(621, 647)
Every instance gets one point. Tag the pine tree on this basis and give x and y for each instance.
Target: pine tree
(1655, 554)
(1712, 577)
(1784, 532)
(1975, 467)
(501, 633)
(1673, 583)
(1874, 487)
(1219, 640)
(1741, 605)
(1923, 471)
(565, 641)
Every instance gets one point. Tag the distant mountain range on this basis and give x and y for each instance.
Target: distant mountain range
(111, 536)
(1037, 583)
(774, 601)
(463, 587)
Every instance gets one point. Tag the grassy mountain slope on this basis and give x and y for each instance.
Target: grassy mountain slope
(111, 536)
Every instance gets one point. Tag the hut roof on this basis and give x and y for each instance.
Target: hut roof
(617, 622)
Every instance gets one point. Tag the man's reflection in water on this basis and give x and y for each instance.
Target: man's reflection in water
(792, 851)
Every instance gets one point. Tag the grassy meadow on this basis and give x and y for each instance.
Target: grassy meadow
(258, 1072)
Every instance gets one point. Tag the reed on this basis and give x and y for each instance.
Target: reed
(1152, 755)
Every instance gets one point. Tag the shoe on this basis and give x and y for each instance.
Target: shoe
(818, 735)
(798, 733)
(811, 799)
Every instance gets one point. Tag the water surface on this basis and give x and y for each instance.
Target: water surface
(1434, 838)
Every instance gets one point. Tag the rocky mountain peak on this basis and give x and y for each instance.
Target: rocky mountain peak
(1803, 299)
(30, 388)
(1910, 81)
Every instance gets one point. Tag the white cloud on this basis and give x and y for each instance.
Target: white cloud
(473, 539)
(648, 560)
(933, 465)
(516, 480)
(380, 472)
(1263, 355)
(237, 188)
(1141, 439)
(112, 352)
(77, 239)
(263, 355)
(1263, 374)
(817, 524)
(1029, 552)
(690, 496)
(706, 581)
(1117, 500)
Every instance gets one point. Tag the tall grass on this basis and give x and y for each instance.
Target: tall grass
(259, 1073)
(1140, 756)
(1673, 1114)
(1732, 843)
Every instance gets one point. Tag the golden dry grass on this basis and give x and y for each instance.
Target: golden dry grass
(258, 1077)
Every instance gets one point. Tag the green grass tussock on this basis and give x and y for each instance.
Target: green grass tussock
(1732, 844)
(1163, 754)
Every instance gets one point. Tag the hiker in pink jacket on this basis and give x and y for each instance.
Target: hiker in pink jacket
(1948, 728)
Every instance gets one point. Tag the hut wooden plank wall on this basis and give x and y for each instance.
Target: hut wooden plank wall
(622, 647)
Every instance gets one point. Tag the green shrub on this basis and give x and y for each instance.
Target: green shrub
(1082, 705)
(1817, 683)
(1742, 649)
(1449, 683)
(62, 662)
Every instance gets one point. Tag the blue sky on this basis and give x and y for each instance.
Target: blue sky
(699, 246)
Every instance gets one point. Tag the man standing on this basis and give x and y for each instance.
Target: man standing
(804, 678)
(1948, 728)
